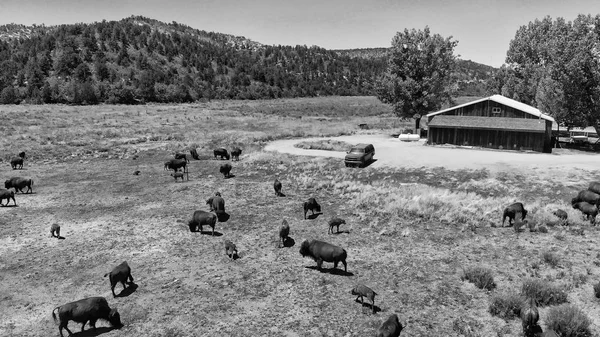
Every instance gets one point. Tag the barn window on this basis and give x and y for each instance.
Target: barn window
(496, 110)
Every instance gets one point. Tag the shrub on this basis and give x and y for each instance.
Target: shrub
(544, 292)
(550, 259)
(568, 321)
(481, 277)
(506, 306)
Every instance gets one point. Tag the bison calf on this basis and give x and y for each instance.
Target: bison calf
(589, 210)
(235, 153)
(201, 218)
(322, 251)
(88, 309)
(311, 205)
(55, 230)
(226, 170)
(6, 194)
(511, 211)
(390, 328)
(119, 273)
(361, 291)
(221, 152)
(16, 162)
(335, 222)
(277, 187)
(284, 233)
(529, 318)
(230, 249)
(177, 175)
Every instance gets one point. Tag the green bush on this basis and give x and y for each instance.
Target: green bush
(568, 321)
(550, 259)
(544, 292)
(481, 277)
(506, 306)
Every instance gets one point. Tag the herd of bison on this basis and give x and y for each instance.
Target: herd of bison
(93, 308)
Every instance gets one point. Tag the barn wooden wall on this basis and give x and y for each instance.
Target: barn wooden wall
(488, 138)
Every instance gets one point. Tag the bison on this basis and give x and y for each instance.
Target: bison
(201, 218)
(587, 196)
(177, 175)
(561, 214)
(510, 212)
(235, 153)
(88, 309)
(322, 251)
(16, 162)
(311, 205)
(216, 203)
(390, 328)
(284, 233)
(230, 249)
(587, 209)
(194, 154)
(277, 187)
(221, 152)
(18, 184)
(594, 187)
(529, 318)
(362, 290)
(176, 164)
(179, 155)
(226, 170)
(22, 155)
(6, 194)
(120, 273)
(55, 230)
(335, 222)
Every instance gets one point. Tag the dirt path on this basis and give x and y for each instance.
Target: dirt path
(394, 153)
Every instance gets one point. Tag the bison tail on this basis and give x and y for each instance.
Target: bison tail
(54, 314)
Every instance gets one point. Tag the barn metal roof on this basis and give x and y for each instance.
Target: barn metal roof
(502, 100)
(488, 123)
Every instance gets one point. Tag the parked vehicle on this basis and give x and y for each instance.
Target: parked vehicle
(360, 155)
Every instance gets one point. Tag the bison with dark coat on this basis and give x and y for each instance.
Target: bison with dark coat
(335, 222)
(390, 328)
(594, 187)
(361, 291)
(589, 210)
(22, 155)
(511, 211)
(221, 152)
(322, 251)
(177, 175)
(529, 318)
(88, 309)
(226, 170)
(194, 154)
(19, 184)
(235, 153)
(120, 273)
(6, 194)
(179, 155)
(55, 231)
(561, 214)
(311, 205)
(16, 162)
(176, 164)
(277, 187)
(200, 219)
(587, 196)
(284, 233)
(230, 249)
(216, 203)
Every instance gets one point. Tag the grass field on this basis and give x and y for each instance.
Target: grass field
(411, 234)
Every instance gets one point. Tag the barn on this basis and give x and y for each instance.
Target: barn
(494, 122)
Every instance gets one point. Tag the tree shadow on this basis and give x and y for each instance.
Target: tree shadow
(131, 288)
(289, 242)
(368, 305)
(332, 271)
(93, 332)
(222, 216)
(313, 216)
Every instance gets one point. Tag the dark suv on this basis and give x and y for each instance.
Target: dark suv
(360, 155)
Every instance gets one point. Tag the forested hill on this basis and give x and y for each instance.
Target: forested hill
(144, 60)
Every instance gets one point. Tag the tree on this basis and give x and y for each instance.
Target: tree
(418, 77)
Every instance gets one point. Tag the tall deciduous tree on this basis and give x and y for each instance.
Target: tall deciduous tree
(418, 78)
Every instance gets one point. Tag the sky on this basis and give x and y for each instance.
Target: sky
(482, 28)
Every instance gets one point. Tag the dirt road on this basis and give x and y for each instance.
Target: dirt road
(392, 152)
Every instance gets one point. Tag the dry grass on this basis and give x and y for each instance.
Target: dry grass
(410, 231)
(544, 292)
(327, 145)
(481, 277)
(568, 321)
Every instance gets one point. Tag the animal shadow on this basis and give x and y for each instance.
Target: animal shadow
(93, 332)
(235, 256)
(61, 237)
(342, 232)
(131, 288)
(332, 271)
(289, 242)
(10, 205)
(209, 233)
(368, 305)
(230, 176)
(313, 216)
(223, 216)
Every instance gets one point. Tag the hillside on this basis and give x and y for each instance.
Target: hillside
(138, 59)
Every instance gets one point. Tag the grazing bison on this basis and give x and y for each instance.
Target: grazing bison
(55, 230)
(18, 184)
(120, 273)
(136, 172)
(201, 218)
(587, 209)
(194, 154)
(221, 152)
(311, 205)
(88, 309)
(362, 290)
(510, 212)
(6, 194)
(561, 214)
(22, 155)
(390, 328)
(226, 170)
(594, 187)
(322, 251)
(230, 249)
(335, 222)
(176, 164)
(16, 162)
(529, 318)
(177, 175)
(235, 153)
(179, 155)
(587, 196)
(284, 233)
(277, 187)
(216, 203)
